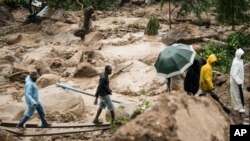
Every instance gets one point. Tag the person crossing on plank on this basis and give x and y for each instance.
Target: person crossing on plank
(32, 100)
(103, 92)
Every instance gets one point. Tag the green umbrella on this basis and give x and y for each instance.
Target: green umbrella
(174, 60)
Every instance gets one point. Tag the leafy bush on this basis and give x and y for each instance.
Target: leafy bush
(152, 26)
(224, 58)
(238, 39)
(143, 106)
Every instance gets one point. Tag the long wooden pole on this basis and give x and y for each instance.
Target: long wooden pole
(79, 91)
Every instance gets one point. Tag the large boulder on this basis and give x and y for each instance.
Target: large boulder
(60, 101)
(47, 80)
(85, 70)
(178, 117)
(131, 80)
(75, 59)
(174, 35)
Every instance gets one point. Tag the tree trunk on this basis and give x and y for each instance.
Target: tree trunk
(169, 13)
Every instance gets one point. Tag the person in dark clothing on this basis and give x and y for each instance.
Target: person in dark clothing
(103, 92)
(168, 82)
(191, 81)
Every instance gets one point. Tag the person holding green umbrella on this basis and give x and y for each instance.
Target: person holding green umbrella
(174, 60)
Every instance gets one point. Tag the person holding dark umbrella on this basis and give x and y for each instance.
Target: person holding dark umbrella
(191, 81)
(174, 60)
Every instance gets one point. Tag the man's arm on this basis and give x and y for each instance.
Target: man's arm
(105, 85)
(28, 93)
(235, 75)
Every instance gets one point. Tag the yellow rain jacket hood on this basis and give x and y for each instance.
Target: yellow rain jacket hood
(206, 75)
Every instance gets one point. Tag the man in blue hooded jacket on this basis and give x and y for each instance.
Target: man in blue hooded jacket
(32, 100)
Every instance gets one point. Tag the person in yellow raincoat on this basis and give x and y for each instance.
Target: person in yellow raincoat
(206, 76)
(206, 81)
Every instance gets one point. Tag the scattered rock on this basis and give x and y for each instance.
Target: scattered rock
(5, 70)
(85, 70)
(139, 12)
(120, 114)
(198, 48)
(69, 72)
(58, 15)
(19, 68)
(47, 80)
(70, 19)
(15, 40)
(57, 64)
(219, 78)
(75, 59)
(97, 46)
(65, 74)
(92, 37)
(42, 67)
(19, 72)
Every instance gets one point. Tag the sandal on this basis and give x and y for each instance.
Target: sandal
(96, 121)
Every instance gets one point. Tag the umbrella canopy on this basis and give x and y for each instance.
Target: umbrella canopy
(174, 60)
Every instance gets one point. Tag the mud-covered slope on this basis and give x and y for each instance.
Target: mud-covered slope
(178, 117)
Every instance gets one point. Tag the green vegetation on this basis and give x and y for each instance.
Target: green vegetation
(228, 12)
(12, 4)
(238, 11)
(152, 26)
(221, 51)
(226, 53)
(143, 106)
(67, 4)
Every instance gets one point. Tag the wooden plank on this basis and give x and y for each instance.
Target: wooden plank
(14, 123)
(50, 133)
(56, 125)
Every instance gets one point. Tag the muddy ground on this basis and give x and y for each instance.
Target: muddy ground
(116, 38)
